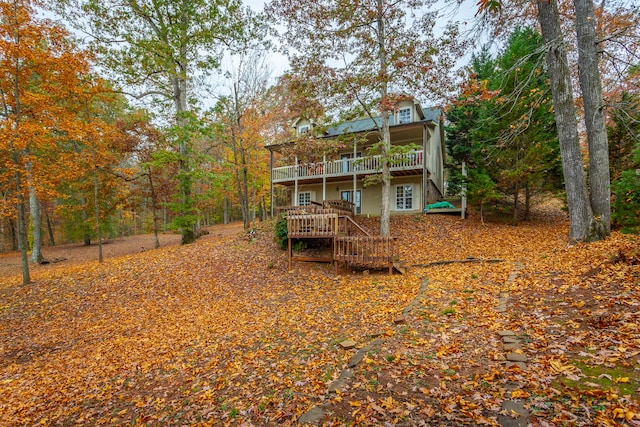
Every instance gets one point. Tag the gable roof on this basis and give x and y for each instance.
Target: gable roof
(368, 124)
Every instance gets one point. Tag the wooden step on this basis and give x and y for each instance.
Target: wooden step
(400, 266)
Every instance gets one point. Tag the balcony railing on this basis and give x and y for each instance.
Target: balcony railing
(347, 167)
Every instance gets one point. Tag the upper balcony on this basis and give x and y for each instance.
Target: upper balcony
(411, 163)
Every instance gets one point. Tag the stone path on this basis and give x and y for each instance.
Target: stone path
(514, 414)
(315, 414)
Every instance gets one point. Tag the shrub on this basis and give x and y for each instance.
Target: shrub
(626, 203)
(281, 232)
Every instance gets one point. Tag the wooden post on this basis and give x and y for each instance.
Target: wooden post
(290, 251)
(464, 191)
(270, 183)
(295, 183)
(425, 178)
(390, 249)
(324, 177)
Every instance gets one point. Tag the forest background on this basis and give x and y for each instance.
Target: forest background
(128, 118)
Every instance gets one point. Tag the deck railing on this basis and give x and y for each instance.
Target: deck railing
(371, 251)
(340, 207)
(312, 226)
(343, 167)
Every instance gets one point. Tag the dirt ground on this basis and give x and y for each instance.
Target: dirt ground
(75, 253)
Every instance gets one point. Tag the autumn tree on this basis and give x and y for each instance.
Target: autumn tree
(241, 115)
(147, 177)
(161, 49)
(367, 54)
(39, 70)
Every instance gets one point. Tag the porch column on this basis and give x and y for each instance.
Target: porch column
(355, 177)
(295, 184)
(464, 191)
(271, 181)
(425, 178)
(324, 177)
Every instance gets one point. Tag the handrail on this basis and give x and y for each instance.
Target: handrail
(360, 165)
(365, 250)
(317, 225)
(357, 226)
(341, 204)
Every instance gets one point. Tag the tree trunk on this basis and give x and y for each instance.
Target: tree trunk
(22, 236)
(246, 211)
(580, 215)
(96, 200)
(85, 221)
(21, 225)
(590, 83)
(225, 209)
(52, 241)
(516, 194)
(186, 208)
(154, 207)
(34, 206)
(527, 202)
(240, 160)
(385, 137)
(385, 208)
(14, 235)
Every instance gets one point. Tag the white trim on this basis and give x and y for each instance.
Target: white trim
(403, 118)
(307, 198)
(407, 197)
(304, 129)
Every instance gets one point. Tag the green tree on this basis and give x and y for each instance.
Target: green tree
(502, 125)
(623, 132)
(161, 48)
(624, 154)
(626, 190)
(463, 118)
(520, 138)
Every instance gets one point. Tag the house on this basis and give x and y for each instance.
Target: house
(417, 175)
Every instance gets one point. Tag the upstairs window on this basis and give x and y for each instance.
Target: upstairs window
(303, 129)
(404, 115)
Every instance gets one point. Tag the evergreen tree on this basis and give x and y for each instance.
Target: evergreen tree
(503, 126)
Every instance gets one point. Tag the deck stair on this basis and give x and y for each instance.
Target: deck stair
(352, 244)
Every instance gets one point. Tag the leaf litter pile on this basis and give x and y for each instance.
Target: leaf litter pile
(220, 333)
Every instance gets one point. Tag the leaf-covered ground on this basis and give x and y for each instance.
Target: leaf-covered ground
(220, 333)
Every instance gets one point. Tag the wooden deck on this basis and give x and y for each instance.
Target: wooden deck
(340, 207)
(312, 226)
(367, 251)
(351, 244)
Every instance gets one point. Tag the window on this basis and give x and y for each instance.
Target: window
(304, 199)
(303, 129)
(404, 115)
(348, 196)
(404, 197)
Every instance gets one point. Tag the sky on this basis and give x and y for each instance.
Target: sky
(279, 63)
(465, 13)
